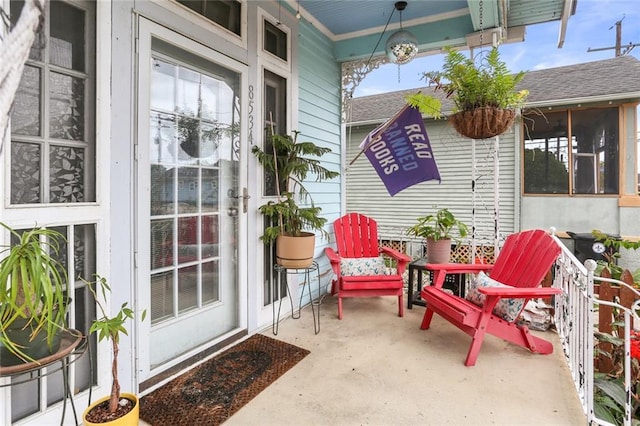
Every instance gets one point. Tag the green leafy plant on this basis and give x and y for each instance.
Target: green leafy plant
(32, 287)
(610, 263)
(471, 83)
(110, 328)
(609, 394)
(291, 161)
(438, 226)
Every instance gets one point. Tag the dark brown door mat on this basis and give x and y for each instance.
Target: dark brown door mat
(210, 393)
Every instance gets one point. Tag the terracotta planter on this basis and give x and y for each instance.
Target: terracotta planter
(295, 252)
(482, 123)
(132, 418)
(438, 251)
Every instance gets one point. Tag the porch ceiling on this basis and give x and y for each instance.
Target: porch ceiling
(356, 25)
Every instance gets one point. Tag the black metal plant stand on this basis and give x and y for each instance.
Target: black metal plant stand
(307, 283)
(73, 345)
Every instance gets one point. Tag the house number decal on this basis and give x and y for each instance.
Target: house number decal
(251, 114)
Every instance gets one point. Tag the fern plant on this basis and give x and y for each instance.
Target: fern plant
(471, 84)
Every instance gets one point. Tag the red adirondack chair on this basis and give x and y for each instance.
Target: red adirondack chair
(358, 265)
(520, 267)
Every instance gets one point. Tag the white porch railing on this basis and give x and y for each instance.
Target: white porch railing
(576, 311)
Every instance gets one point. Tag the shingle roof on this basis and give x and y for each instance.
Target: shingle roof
(617, 77)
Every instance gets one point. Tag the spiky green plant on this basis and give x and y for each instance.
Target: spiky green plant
(32, 286)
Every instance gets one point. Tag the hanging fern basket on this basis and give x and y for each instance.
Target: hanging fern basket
(483, 123)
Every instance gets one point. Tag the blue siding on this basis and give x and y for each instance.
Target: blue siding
(319, 120)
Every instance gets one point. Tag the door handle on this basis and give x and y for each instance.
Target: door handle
(245, 197)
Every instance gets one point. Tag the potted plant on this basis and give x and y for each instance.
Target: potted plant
(437, 229)
(33, 298)
(290, 222)
(117, 408)
(483, 92)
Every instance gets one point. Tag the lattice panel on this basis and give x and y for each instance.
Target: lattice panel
(459, 253)
(462, 254)
(401, 246)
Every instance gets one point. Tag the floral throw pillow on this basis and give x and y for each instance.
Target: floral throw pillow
(363, 266)
(507, 309)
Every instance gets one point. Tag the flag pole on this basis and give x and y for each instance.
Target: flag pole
(378, 130)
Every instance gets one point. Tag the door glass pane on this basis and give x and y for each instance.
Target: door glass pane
(187, 288)
(25, 173)
(209, 190)
(187, 239)
(162, 190)
(66, 178)
(161, 296)
(188, 190)
(163, 89)
(161, 243)
(67, 36)
(210, 289)
(25, 115)
(66, 107)
(162, 133)
(209, 236)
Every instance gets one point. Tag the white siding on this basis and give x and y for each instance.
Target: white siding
(366, 193)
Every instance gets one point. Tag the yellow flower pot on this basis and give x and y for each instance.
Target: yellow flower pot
(130, 419)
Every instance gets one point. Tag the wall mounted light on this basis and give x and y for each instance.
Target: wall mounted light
(402, 46)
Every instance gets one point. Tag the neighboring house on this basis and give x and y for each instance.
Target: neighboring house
(103, 146)
(543, 180)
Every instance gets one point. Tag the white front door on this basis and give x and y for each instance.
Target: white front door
(190, 216)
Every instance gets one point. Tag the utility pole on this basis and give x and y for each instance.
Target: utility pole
(620, 50)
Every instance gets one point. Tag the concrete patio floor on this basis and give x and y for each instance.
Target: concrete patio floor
(376, 368)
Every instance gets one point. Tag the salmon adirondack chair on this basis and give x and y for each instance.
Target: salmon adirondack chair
(358, 265)
(492, 305)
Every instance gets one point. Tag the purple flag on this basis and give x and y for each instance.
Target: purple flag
(400, 151)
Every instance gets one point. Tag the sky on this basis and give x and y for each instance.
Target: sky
(592, 26)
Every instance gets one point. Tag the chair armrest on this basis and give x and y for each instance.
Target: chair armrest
(440, 270)
(395, 254)
(520, 293)
(334, 259)
(401, 258)
(332, 255)
(459, 268)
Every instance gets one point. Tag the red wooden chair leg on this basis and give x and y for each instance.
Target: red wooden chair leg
(426, 320)
(400, 306)
(339, 307)
(474, 349)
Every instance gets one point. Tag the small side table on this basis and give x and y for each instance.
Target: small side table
(454, 282)
(307, 283)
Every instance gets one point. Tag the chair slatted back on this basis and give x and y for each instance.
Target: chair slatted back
(525, 258)
(356, 236)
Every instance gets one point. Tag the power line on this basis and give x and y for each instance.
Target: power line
(619, 48)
